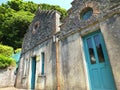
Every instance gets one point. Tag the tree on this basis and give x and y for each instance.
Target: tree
(54, 7)
(14, 26)
(15, 17)
(5, 56)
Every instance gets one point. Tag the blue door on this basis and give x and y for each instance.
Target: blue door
(33, 72)
(99, 70)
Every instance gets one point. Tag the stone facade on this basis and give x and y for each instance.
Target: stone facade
(65, 65)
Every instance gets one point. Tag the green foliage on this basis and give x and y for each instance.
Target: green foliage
(5, 56)
(18, 5)
(14, 27)
(15, 4)
(6, 61)
(54, 7)
(16, 16)
(29, 6)
(18, 50)
(6, 50)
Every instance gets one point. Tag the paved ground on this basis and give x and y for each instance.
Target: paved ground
(10, 88)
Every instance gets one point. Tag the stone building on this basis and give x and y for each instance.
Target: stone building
(80, 53)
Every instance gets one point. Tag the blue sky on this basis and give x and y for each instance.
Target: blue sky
(62, 3)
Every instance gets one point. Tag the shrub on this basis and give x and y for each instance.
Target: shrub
(18, 50)
(6, 62)
(6, 50)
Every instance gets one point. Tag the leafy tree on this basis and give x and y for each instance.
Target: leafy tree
(15, 4)
(54, 7)
(15, 17)
(6, 62)
(29, 6)
(6, 50)
(14, 27)
(5, 56)
(18, 50)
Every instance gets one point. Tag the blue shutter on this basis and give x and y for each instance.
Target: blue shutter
(43, 59)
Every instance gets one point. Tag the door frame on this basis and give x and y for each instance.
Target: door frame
(87, 64)
(33, 59)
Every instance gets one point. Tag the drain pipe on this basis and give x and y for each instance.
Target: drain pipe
(57, 63)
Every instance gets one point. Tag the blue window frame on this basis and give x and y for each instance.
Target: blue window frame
(86, 13)
(43, 60)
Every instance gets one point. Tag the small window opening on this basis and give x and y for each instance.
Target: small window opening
(36, 25)
(86, 13)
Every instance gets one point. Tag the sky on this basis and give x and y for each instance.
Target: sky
(62, 3)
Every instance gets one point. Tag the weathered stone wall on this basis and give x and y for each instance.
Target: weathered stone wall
(72, 66)
(38, 39)
(106, 17)
(7, 77)
(103, 4)
(42, 28)
(48, 80)
(111, 32)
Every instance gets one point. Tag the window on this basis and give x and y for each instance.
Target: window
(95, 49)
(42, 63)
(35, 27)
(86, 13)
(91, 51)
(26, 67)
(99, 48)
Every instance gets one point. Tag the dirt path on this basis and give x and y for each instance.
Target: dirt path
(11, 88)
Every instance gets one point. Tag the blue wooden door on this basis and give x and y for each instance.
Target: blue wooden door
(33, 72)
(99, 70)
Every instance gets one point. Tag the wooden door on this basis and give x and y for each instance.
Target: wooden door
(33, 72)
(99, 69)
